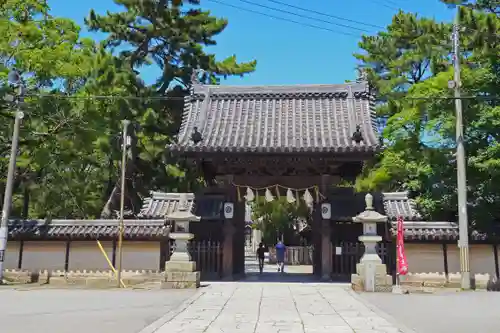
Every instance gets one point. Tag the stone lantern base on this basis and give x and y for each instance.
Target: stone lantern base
(180, 270)
(371, 277)
(371, 273)
(181, 275)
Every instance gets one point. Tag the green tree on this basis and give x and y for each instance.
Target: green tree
(420, 133)
(70, 140)
(53, 59)
(275, 217)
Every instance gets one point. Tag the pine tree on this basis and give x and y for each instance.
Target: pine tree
(170, 34)
(491, 6)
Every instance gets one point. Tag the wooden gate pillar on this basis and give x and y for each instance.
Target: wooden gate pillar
(239, 239)
(317, 242)
(326, 242)
(326, 251)
(227, 249)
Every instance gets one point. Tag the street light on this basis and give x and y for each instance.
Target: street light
(14, 79)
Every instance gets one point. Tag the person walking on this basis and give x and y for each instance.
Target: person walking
(280, 256)
(261, 254)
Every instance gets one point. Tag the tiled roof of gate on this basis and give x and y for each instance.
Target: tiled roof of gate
(159, 204)
(399, 204)
(279, 119)
(86, 229)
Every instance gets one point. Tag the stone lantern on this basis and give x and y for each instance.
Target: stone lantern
(371, 272)
(180, 270)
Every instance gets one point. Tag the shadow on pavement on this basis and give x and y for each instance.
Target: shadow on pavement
(280, 277)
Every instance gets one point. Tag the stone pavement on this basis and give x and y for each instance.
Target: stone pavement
(249, 307)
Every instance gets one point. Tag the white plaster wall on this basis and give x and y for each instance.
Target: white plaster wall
(83, 255)
(424, 258)
(86, 255)
(12, 255)
(50, 255)
(482, 259)
(141, 255)
(40, 255)
(453, 258)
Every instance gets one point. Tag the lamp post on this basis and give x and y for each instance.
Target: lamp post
(15, 79)
(125, 142)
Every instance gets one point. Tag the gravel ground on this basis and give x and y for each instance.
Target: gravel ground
(444, 312)
(84, 311)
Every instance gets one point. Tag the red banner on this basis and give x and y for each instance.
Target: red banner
(400, 249)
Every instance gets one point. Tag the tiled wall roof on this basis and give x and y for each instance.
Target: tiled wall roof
(399, 204)
(87, 229)
(422, 230)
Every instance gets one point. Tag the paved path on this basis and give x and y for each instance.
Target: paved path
(271, 308)
(85, 311)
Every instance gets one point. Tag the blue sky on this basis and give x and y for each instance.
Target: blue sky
(287, 53)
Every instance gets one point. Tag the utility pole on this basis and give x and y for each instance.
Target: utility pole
(7, 199)
(463, 224)
(122, 202)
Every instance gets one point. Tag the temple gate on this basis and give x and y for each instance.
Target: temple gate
(303, 136)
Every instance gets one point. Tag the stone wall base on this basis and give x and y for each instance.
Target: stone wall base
(82, 279)
(440, 280)
(383, 283)
(422, 282)
(19, 276)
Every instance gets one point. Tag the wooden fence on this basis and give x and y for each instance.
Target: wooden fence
(295, 255)
(208, 258)
(344, 261)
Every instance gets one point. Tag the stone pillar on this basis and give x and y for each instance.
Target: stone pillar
(326, 251)
(227, 250)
